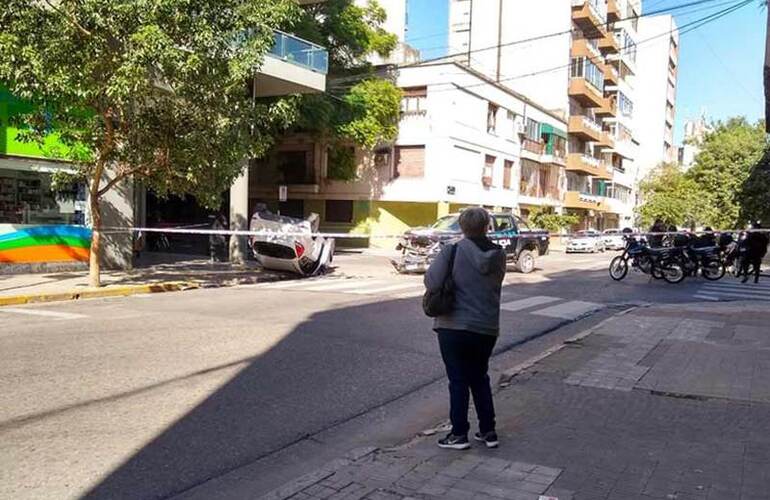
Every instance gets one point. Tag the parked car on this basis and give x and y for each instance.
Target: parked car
(522, 245)
(588, 240)
(613, 239)
(289, 244)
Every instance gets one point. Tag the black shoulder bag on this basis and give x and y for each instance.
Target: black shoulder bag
(442, 301)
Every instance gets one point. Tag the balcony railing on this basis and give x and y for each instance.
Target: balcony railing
(301, 52)
(536, 147)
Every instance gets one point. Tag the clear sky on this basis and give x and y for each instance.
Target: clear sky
(720, 64)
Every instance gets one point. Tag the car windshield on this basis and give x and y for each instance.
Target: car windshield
(448, 223)
(611, 231)
(585, 234)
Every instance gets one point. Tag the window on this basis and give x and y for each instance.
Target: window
(410, 161)
(414, 100)
(489, 168)
(503, 222)
(295, 167)
(492, 118)
(27, 197)
(533, 130)
(625, 105)
(507, 173)
(582, 67)
(339, 211)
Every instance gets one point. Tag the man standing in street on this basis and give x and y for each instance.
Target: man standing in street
(756, 243)
(468, 333)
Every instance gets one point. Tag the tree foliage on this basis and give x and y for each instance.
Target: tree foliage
(671, 196)
(158, 89)
(722, 167)
(546, 218)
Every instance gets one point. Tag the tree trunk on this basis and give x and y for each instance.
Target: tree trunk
(94, 277)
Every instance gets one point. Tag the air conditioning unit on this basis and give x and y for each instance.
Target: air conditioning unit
(519, 128)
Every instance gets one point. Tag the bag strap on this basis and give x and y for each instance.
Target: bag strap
(452, 253)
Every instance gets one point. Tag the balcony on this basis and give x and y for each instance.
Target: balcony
(611, 76)
(590, 17)
(584, 128)
(584, 201)
(606, 141)
(588, 165)
(292, 66)
(613, 11)
(608, 110)
(609, 44)
(532, 150)
(585, 92)
(584, 47)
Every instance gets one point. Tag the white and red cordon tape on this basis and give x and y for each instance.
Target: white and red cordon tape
(232, 232)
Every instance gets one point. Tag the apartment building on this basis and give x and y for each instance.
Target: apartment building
(27, 201)
(694, 133)
(463, 141)
(656, 93)
(579, 59)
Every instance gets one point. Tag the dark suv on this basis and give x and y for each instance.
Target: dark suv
(522, 245)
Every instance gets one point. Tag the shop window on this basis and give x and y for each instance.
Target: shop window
(26, 197)
(339, 211)
(410, 161)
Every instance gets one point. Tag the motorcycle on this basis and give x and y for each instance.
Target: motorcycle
(656, 262)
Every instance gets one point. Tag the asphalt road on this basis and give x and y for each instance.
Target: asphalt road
(150, 396)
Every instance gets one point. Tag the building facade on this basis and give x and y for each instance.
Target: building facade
(463, 141)
(579, 59)
(694, 133)
(656, 93)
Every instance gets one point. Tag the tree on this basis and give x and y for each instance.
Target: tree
(671, 196)
(158, 90)
(723, 165)
(545, 218)
(755, 192)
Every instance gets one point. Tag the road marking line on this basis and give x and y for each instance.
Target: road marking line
(385, 288)
(518, 305)
(337, 285)
(738, 286)
(569, 310)
(47, 314)
(735, 294)
(705, 297)
(745, 289)
(409, 295)
(297, 283)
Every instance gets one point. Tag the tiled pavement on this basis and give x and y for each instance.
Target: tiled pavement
(598, 420)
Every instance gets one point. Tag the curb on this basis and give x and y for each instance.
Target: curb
(118, 291)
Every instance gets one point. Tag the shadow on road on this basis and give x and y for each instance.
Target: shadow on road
(337, 364)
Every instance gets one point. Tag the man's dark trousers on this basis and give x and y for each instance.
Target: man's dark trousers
(466, 357)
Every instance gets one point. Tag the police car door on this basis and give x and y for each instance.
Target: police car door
(504, 233)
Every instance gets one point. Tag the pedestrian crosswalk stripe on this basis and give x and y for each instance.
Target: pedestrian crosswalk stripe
(386, 288)
(703, 296)
(569, 310)
(745, 295)
(518, 305)
(412, 293)
(739, 286)
(296, 283)
(745, 289)
(38, 312)
(342, 285)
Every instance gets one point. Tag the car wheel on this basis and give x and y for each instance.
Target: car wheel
(526, 261)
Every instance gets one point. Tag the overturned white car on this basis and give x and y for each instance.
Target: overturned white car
(289, 244)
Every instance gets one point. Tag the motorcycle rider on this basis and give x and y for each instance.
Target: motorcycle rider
(706, 239)
(656, 240)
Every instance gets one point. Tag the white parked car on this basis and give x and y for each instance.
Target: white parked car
(613, 239)
(588, 240)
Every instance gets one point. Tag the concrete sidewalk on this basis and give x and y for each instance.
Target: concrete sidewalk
(156, 273)
(665, 402)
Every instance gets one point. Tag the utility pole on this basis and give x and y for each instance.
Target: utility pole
(767, 70)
